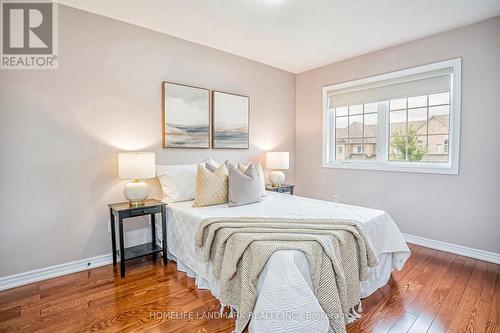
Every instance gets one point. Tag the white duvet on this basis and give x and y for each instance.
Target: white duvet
(285, 301)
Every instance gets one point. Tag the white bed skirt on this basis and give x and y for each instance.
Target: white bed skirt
(378, 276)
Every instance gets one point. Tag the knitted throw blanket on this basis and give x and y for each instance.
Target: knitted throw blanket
(337, 251)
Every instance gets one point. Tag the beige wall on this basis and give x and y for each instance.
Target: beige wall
(60, 131)
(463, 209)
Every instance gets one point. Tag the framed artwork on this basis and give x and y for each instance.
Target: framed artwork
(186, 116)
(230, 120)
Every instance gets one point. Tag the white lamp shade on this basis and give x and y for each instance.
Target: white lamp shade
(278, 160)
(136, 165)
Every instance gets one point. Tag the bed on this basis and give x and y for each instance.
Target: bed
(285, 300)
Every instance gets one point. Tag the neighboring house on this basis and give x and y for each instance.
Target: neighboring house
(356, 142)
(437, 142)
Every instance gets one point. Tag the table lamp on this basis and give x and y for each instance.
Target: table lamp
(277, 161)
(136, 166)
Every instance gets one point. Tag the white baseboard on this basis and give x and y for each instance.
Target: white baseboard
(20, 279)
(453, 248)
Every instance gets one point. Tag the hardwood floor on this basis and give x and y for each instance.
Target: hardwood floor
(436, 292)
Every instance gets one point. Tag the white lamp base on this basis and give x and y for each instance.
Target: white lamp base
(277, 178)
(136, 192)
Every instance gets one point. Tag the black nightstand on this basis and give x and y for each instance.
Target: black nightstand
(125, 210)
(284, 188)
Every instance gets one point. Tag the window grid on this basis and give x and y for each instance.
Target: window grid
(349, 140)
(407, 127)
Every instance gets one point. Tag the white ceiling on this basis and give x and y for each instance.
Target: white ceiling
(295, 35)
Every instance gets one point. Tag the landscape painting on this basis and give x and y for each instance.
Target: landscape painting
(186, 116)
(230, 120)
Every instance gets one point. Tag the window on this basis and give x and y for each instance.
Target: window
(418, 126)
(356, 128)
(401, 121)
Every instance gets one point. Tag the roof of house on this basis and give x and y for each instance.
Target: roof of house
(370, 131)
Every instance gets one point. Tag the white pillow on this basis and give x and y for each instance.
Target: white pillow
(213, 162)
(177, 181)
(211, 165)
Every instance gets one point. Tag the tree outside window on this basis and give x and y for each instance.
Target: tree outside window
(408, 147)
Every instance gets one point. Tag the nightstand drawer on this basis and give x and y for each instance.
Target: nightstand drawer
(284, 188)
(144, 211)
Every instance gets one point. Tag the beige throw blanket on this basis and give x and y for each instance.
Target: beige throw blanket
(338, 253)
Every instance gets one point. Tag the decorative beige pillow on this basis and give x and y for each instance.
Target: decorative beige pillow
(211, 187)
(262, 180)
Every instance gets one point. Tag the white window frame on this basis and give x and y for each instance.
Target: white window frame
(382, 163)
